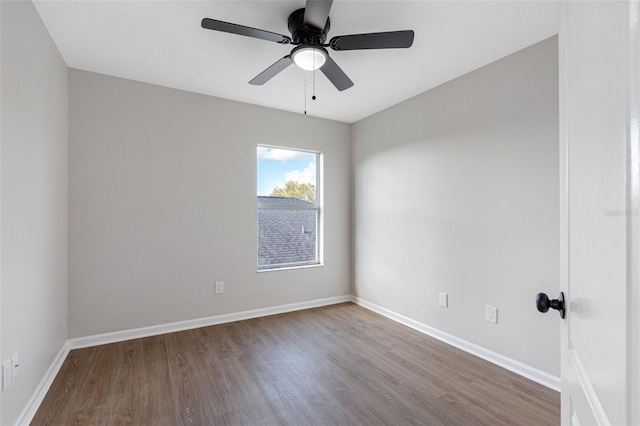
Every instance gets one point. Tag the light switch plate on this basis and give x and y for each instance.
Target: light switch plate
(6, 374)
(443, 299)
(219, 287)
(492, 314)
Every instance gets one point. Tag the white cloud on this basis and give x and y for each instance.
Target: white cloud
(280, 154)
(308, 175)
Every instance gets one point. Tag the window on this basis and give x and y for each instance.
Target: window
(288, 207)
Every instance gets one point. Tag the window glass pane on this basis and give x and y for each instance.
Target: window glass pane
(286, 236)
(287, 207)
(287, 173)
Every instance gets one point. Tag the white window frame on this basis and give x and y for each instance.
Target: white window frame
(317, 207)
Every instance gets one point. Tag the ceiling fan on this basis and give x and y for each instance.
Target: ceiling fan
(309, 27)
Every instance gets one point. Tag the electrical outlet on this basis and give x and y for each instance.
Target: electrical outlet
(443, 299)
(15, 364)
(219, 287)
(491, 314)
(6, 374)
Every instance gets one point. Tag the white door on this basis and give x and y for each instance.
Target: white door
(600, 207)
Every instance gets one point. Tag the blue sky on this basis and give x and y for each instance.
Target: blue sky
(276, 165)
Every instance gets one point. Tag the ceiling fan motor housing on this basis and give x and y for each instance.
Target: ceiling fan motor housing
(302, 34)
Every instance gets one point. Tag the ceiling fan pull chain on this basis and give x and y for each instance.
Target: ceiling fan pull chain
(305, 95)
(314, 85)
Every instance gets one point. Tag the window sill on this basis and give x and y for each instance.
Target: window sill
(287, 268)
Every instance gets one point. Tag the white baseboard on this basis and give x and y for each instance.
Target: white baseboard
(539, 376)
(26, 416)
(154, 330)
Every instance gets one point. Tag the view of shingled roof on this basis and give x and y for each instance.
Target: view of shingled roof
(285, 235)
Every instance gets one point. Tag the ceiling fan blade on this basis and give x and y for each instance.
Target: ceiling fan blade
(335, 75)
(272, 71)
(387, 40)
(226, 27)
(316, 13)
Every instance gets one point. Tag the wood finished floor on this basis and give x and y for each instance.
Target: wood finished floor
(340, 364)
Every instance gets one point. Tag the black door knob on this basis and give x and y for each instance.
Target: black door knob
(543, 303)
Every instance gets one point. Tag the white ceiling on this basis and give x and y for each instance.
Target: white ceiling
(161, 42)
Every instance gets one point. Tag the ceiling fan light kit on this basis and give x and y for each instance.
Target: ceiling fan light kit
(309, 28)
(309, 58)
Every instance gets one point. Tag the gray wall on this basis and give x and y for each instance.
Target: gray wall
(34, 200)
(163, 204)
(456, 190)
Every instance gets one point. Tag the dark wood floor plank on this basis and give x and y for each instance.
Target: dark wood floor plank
(189, 403)
(340, 364)
(156, 399)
